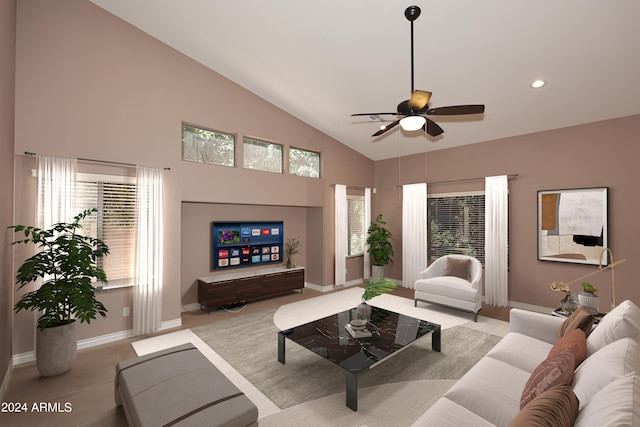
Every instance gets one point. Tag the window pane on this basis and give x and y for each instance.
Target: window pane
(355, 225)
(206, 146)
(304, 163)
(456, 226)
(261, 155)
(114, 223)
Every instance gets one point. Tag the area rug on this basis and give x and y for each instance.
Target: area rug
(304, 311)
(249, 344)
(309, 390)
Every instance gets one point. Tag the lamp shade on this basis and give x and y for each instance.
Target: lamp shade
(412, 122)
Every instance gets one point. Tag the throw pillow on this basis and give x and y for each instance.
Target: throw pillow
(615, 404)
(580, 318)
(621, 322)
(457, 267)
(574, 341)
(556, 407)
(554, 370)
(604, 366)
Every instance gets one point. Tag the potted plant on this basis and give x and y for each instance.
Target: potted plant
(588, 298)
(66, 261)
(374, 287)
(291, 247)
(380, 248)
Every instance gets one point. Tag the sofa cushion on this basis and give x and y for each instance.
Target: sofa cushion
(509, 350)
(621, 322)
(579, 319)
(605, 366)
(445, 413)
(491, 389)
(574, 341)
(450, 286)
(457, 267)
(554, 370)
(556, 407)
(614, 405)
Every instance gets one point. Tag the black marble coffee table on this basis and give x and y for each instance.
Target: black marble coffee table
(328, 337)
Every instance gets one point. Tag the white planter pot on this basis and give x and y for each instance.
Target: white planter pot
(589, 301)
(377, 271)
(56, 349)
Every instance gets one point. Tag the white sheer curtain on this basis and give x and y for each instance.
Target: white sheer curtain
(56, 190)
(147, 295)
(341, 234)
(414, 232)
(496, 230)
(367, 221)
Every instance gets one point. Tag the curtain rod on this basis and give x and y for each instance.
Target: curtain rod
(28, 153)
(511, 176)
(353, 188)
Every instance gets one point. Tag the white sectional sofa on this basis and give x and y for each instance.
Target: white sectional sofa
(606, 384)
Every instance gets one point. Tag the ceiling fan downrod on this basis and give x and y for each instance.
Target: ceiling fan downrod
(412, 13)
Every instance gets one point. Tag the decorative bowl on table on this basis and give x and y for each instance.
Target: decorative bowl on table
(358, 324)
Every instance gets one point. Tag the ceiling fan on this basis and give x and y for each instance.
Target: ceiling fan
(414, 110)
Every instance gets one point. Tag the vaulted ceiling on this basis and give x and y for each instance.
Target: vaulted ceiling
(321, 61)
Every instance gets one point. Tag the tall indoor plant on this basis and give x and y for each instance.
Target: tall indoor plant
(380, 248)
(66, 261)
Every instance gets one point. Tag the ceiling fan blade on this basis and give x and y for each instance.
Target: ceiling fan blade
(419, 99)
(456, 109)
(432, 128)
(374, 114)
(387, 128)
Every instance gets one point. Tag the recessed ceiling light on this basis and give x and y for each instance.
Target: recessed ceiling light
(538, 84)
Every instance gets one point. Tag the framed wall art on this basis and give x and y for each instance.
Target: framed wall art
(572, 225)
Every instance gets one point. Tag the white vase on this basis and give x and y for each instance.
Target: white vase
(589, 301)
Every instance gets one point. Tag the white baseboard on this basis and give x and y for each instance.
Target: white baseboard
(30, 356)
(343, 286)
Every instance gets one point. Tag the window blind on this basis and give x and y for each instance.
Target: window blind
(456, 225)
(114, 224)
(356, 233)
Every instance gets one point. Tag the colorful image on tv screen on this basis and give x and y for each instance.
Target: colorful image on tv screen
(228, 237)
(237, 244)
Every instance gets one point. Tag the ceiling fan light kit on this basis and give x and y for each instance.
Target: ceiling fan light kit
(411, 123)
(413, 110)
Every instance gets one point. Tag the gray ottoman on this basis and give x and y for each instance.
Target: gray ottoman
(180, 387)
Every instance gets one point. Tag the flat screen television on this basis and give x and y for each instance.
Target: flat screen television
(243, 244)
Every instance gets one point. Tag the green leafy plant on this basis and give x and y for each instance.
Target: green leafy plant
(588, 287)
(377, 286)
(380, 247)
(66, 261)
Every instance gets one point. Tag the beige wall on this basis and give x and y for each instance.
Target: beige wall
(7, 78)
(602, 154)
(196, 236)
(91, 86)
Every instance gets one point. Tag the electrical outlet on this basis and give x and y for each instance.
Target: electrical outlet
(125, 311)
